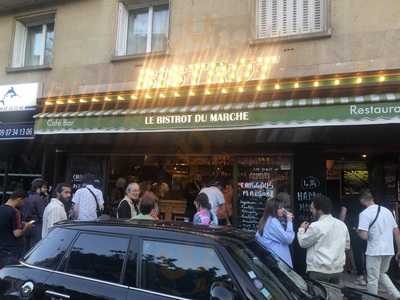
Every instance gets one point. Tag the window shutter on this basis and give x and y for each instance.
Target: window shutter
(263, 19)
(19, 45)
(122, 30)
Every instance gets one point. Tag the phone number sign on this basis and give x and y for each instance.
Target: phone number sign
(16, 131)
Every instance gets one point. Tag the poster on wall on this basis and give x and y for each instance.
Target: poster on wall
(18, 97)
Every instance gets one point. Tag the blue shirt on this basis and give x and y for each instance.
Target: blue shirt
(277, 240)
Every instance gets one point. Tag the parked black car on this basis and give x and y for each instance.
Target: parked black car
(149, 260)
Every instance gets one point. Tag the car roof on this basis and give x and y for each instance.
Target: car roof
(117, 225)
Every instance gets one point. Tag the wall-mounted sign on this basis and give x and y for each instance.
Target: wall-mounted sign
(206, 73)
(16, 131)
(18, 97)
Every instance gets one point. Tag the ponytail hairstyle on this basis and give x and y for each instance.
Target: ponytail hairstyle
(271, 207)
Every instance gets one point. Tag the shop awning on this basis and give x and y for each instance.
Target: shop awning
(356, 110)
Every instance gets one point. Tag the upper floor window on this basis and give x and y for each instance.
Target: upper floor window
(141, 29)
(285, 18)
(33, 42)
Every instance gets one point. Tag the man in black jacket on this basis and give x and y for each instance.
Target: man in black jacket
(128, 207)
(32, 210)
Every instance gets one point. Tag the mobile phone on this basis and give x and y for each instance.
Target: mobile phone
(32, 221)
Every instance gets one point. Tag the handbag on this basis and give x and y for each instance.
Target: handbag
(98, 210)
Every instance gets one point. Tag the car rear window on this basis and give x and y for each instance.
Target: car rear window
(49, 251)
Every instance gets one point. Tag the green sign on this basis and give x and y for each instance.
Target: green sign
(354, 114)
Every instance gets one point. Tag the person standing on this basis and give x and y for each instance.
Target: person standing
(326, 241)
(378, 226)
(225, 214)
(55, 211)
(88, 201)
(216, 199)
(192, 189)
(128, 206)
(272, 234)
(117, 194)
(32, 210)
(349, 213)
(203, 215)
(147, 207)
(12, 229)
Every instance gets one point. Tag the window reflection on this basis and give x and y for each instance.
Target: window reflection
(181, 270)
(50, 251)
(99, 257)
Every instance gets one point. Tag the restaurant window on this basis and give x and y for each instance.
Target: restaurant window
(33, 42)
(142, 30)
(286, 18)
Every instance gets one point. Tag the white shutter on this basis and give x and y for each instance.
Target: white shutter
(276, 17)
(122, 29)
(317, 20)
(263, 19)
(18, 57)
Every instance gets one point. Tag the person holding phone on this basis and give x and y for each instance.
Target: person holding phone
(12, 229)
(273, 234)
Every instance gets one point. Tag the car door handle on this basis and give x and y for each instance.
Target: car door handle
(55, 294)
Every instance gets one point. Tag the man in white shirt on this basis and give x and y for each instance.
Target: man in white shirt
(85, 198)
(326, 241)
(216, 199)
(55, 210)
(378, 226)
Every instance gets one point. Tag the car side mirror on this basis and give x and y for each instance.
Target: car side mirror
(221, 290)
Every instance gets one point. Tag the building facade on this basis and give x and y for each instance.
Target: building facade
(300, 96)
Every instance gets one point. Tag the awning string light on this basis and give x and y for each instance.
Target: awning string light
(224, 90)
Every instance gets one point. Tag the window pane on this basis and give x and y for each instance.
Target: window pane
(181, 270)
(99, 257)
(48, 51)
(50, 251)
(34, 47)
(160, 28)
(137, 31)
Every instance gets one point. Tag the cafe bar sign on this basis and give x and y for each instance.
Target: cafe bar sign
(18, 97)
(206, 73)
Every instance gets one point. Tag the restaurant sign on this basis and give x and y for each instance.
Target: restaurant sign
(206, 73)
(261, 117)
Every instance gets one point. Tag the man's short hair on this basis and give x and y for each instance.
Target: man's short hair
(88, 178)
(38, 183)
(130, 186)
(147, 203)
(366, 195)
(59, 188)
(18, 194)
(323, 203)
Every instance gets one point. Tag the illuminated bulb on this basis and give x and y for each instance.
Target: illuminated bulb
(147, 96)
(260, 60)
(277, 86)
(120, 98)
(207, 92)
(359, 80)
(316, 83)
(191, 93)
(224, 91)
(243, 61)
(133, 97)
(60, 102)
(241, 89)
(108, 99)
(70, 101)
(176, 94)
(48, 103)
(259, 88)
(364, 156)
(162, 95)
(95, 100)
(382, 78)
(337, 82)
(296, 85)
(82, 100)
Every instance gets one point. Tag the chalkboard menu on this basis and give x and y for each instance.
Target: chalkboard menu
(78, 166)
(256, 184)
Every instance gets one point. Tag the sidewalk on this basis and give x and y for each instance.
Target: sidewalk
(349, 279)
